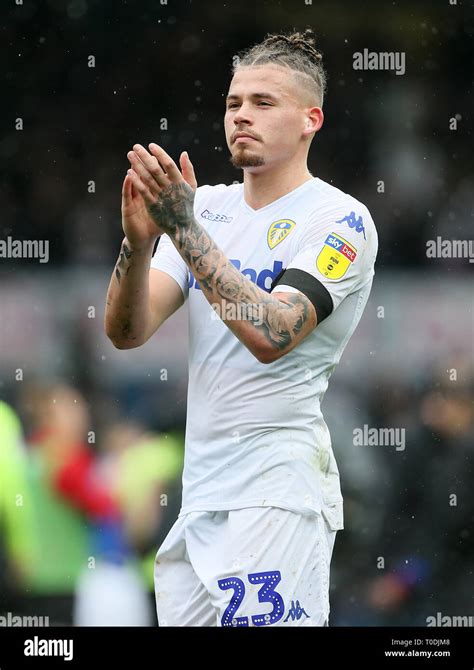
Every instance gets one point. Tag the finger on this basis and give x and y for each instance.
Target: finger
(188, 170)
(152, 165)
(126, 193)
(148, 160)
(134, 194)
(166, 162)
(142, 189)
(126, 189)
(143, 172)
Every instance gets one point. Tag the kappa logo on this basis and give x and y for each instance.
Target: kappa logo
(296, 611)
(278, 231)
(206, 214)
(354, 222)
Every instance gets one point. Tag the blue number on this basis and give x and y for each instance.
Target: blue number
(267, 594)
(239, 592)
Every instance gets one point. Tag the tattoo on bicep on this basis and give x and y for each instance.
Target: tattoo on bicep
(123, 263)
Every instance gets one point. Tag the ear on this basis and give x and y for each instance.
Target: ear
(314, 119)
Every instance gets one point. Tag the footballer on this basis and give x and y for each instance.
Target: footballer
(276, 272)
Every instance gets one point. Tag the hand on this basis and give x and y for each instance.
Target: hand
(138, 226)
(167, 194)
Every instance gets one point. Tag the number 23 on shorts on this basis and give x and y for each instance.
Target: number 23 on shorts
(266, 594)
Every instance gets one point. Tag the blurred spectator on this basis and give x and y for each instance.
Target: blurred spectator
(78, 525)
(143, 470)
(15, 510)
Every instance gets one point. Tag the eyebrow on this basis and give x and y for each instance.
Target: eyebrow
(253, 95)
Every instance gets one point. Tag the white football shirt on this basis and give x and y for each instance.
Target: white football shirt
(255, 434)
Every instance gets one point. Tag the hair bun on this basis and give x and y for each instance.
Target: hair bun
(300, 40)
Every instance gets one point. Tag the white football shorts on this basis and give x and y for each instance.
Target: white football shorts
(257, 566)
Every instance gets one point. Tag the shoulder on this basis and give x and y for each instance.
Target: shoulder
(331, 199)
(339, 213)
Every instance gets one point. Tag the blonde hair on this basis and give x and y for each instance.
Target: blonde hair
(295, 51)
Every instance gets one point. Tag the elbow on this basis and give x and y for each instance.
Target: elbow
(121, 342)
(125, 344)
(267, 355)
(264, 351)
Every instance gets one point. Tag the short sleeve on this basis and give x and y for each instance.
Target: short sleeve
(335, 256)
(167, 259)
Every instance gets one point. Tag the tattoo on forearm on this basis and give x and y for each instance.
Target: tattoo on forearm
(123, 263)
(279, 321)
(122, 268)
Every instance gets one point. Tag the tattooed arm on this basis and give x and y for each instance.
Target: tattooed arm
(140, 299)
(269, 325)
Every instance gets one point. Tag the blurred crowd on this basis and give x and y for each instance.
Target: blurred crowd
(81, 517)
(407, 551)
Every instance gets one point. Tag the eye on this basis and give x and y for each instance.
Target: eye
(233, 105)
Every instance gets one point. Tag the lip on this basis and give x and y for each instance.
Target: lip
(244, 138)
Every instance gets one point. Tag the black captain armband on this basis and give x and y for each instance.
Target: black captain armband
(316, 292)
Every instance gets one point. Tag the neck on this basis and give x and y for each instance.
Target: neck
(262, 188)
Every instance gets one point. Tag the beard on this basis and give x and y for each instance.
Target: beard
(244, 158)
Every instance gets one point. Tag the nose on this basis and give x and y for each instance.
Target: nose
(242, 115)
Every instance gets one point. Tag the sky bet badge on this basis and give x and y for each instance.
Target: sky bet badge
(335, 257)
(278, 231)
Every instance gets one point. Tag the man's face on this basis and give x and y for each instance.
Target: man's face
(264, 102)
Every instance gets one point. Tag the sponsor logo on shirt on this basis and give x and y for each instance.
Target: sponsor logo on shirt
(278, 231)
(206, 214)
(262, 278)
(354, 222)
(335, 257)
